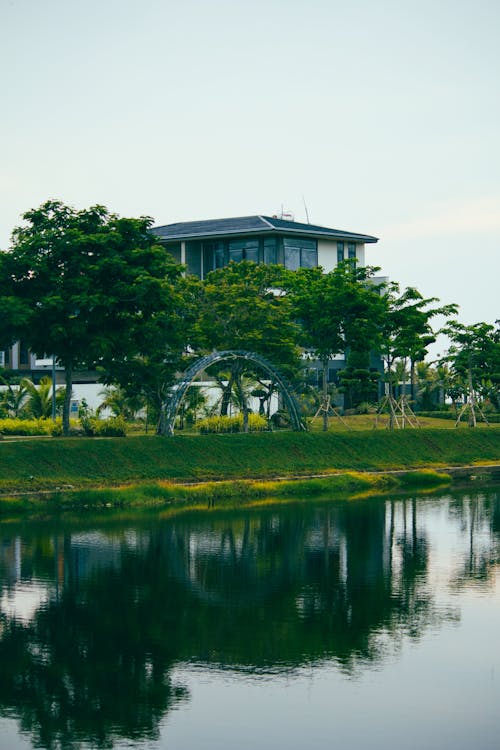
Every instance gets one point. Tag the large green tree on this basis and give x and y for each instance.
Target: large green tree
(337, 311)
(243, 307)
(407, 331)
(160, 342)
(80, 279)
(474, 358)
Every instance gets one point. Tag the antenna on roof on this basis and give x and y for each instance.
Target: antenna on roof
(288, 215)
(305, 207)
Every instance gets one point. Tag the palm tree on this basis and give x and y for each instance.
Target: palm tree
(39, 398)
(12, 398)
(120, 404)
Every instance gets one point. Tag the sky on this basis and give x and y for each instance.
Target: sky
(378, 117)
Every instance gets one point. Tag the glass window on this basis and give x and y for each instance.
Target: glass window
(175, 250)
(220, 254)
(193, 258)
(236, 248)
(300, 253)
(244, 250)
(292, 257)
(23, 354)
(208, 258)
(340, 252)
(308, 257)
(332, 375)
(351, 250)
(270, 250)
(252, 251)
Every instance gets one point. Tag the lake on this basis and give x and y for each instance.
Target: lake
(322, 624)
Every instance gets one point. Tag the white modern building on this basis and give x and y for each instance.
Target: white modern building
(206, 245)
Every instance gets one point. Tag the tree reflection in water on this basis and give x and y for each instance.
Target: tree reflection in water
(253, 591)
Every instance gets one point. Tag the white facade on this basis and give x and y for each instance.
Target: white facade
(328, 254)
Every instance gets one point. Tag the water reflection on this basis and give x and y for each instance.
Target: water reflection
(92, 624)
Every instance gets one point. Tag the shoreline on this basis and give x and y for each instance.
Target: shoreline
(42, 478)
(169, 498)
(469, 472)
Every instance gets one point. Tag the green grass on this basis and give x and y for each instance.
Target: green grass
(169, 498)
(371, 421)
(37, 464)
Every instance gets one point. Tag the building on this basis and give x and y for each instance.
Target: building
(206, 245)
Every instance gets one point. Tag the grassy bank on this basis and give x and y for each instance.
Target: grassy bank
(39, 464)
(170, 498)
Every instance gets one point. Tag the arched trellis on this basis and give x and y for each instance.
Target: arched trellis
(178, 391)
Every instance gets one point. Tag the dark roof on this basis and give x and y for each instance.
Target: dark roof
(186, 230)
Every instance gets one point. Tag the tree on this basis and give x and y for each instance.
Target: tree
(38, 403)
(358, 382)
(407, 332)
(158, 342)
(80, 280)
(14, 314)
(337, 311)
(242, 307)
(118, 402)
(474, 357)
(12, 398)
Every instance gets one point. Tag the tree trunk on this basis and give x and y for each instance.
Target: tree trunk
(325, 404)
(269, 397)
(403, 396)
(68, 380)
(390, 394)
(412, 382)
(158, 405)
(472, 405)
(226, 394)
(242, 399)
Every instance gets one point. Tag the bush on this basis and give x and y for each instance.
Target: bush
(365, 408)
(27, 427)
(90, 426)
(280, 419)
(256, 423)
(95, 427)
(75, 430)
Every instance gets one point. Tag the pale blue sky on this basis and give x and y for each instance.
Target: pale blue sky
(384, 115)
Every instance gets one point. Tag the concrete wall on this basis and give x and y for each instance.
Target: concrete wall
(327, 254)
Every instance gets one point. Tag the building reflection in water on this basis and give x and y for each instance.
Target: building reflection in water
(93, 623)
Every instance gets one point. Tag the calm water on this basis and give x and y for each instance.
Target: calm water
(362, 624)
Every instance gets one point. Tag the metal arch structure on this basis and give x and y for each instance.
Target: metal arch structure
(178, 391)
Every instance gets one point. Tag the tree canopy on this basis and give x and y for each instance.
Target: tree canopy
(337, 311)
(243, 307)
(80, 279)
(474, 359)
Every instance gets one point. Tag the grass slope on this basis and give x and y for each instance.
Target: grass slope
(169, 498)
(49, 463)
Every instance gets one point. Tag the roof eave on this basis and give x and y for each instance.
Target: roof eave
(364, 238)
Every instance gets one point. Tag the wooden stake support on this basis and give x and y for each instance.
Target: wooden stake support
(326, 407)
(400, 413)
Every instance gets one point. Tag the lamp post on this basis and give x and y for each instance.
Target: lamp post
(53, 388)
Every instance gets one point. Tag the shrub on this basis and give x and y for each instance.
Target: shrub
(75, 429)
(95, 427)
(27, 427)
(256, 423)
(280, 419)
(365, 408)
